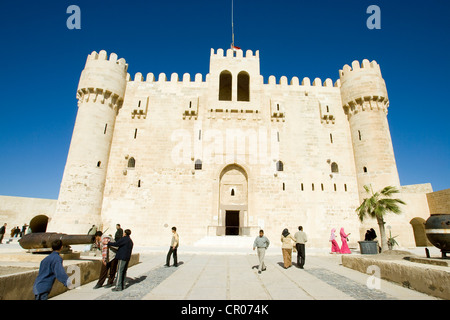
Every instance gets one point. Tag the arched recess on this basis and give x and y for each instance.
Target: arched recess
(243, 86)
(39, 223)
(225, 82)
(233, 206)
(420, 237)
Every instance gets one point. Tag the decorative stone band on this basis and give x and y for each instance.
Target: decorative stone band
(438, 231)
(113, 100)
(367, 103)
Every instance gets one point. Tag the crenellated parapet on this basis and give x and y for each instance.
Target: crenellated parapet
(103, 80)
(163, 79)
(230, 54)
(363, 88)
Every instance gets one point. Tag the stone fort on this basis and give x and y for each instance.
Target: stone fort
(230, 153)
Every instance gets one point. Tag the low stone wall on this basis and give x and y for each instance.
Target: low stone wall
(19, 286)
(431, 280)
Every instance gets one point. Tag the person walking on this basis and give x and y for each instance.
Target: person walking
(2, 232)
(173, 248)
(344, 245)
(119, 233)
(261, 244)
(51, 268)
(300, 240)
(109, 261)
(334, 244)
(286, 247)
(123, 256)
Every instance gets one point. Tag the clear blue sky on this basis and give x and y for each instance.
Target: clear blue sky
(42, 60)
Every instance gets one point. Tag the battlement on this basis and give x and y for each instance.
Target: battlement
(372, 67)
(174, 78)
(230, 53)
(103, 56)
(306, 82)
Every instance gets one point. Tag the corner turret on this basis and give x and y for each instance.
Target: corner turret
(365, 102)
(100, 95)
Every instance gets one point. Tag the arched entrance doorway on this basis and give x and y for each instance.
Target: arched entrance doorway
(418, 225)
(233, 200)
(39, 223)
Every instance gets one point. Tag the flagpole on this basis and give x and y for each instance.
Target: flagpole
(232, 24)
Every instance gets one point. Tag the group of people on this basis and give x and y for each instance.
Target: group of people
(344, 249)
(15, 232)
(116, 254)
(288, 243)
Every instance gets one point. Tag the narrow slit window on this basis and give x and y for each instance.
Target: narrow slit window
(334, 168)
(232, 192)
(106, 127)
(331, 138)
(284, 186)
(359, 135)
(365, 169)
(345, 187)
(135, 133)
(279, 166)
(139, 183)
(99, 164)
(198, 164)
(321, 185)
(335, 188)
(301, 186)
(312, 187)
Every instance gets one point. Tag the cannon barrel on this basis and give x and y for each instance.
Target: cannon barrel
(43, 240)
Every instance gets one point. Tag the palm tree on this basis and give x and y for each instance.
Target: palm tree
(377, 205)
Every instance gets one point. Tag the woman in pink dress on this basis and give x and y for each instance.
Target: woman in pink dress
(334, 244)
(344, 246)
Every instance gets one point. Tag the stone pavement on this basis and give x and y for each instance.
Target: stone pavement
(204, 275)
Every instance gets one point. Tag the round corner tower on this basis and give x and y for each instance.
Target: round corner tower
(365, 101)
(100, 95)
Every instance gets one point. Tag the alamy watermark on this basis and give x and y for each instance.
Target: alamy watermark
(74, 20)
(374, 281)
(374, 21)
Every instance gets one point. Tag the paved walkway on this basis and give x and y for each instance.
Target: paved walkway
(204, 276)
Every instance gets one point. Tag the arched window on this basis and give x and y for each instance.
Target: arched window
(243, 86)
(99, 164)
(232, 192)
(334, 167)
(131, 163)
(279, 166)
(365, 169)
(225, 82)
(198, 164)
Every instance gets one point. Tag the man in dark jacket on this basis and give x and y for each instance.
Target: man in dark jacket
(119, 233)
(51, 268)
(2, 232)
(123, 255)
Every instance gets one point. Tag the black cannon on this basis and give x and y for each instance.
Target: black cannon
(42, 241)
(437, 228)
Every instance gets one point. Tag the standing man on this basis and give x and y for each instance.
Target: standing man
(123, 256)
(51, 268)
(2, 232)
(109, 261)
(119, 233)
(261, 243)
(300, 240)
(173, 248)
